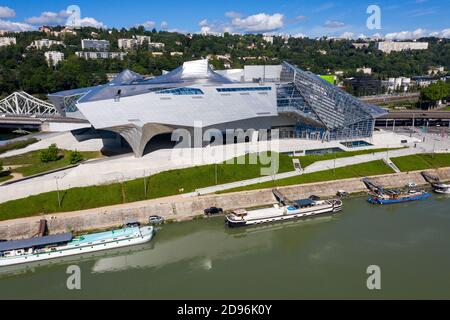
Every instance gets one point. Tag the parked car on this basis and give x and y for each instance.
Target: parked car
(155, 220)
(342, 193)
(213, 211)
(411, 185)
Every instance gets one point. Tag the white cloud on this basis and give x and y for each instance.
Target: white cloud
(6, 12)
(441, 34)
(406, 35)
(60, 18)
(205, 30)
(261, 22)
(147, 24)
(347, 35)
(377, 36)
(334, 24)
(49, 18)
(232, 14)
(203, 23)
(91, 22)
(15, 26)
(164, 25)
(299, 35)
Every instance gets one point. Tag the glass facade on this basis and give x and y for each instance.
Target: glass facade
(244, 89)
(324, 111)
(182, 91)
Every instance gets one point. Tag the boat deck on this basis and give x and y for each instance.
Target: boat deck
(280, 211)
(265, 213)
(127, 232)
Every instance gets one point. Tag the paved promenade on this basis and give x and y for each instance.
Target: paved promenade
(123, 168)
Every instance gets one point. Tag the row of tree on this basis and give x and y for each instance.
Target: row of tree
(26, 69)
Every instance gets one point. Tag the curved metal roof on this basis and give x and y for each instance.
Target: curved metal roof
(35, 242)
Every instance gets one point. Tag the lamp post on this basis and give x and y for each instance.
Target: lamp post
(215, 173)
(145, 185)
(57, 191)
(334, 168)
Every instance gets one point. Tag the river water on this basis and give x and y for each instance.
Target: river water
(321, 258)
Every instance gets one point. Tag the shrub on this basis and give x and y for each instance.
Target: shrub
(50, 154)
(75, 157)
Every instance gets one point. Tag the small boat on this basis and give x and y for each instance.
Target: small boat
(441, 188)
(436, 183)
(300, 209)
(381, 195)
(64, 245)
(392, 198)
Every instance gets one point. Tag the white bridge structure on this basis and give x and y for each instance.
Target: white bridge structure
(23, 104)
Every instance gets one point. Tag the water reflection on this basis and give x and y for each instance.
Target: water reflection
(200, 248)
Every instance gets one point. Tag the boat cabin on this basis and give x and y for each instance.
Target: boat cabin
(304, 203)
(240, 213)
(28, 246)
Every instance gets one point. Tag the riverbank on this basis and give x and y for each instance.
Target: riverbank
(179, 208)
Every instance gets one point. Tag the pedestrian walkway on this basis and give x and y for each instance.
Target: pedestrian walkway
(315, 167)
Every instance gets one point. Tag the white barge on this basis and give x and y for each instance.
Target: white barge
(300, 209)
(435, 182)
(64, 245)
(441, 188)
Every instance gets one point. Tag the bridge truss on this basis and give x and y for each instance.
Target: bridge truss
(22, 103)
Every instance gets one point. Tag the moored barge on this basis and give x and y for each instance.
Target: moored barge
(293, 210)
(63, 245)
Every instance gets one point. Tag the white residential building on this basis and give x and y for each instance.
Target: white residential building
(7, 41)
(361, 45)
(268, 39)
(54, 57)
(93, 44)
(435, 70)
(395, 84)
(364, 70)
(133, 43)
(156, 45)
(127, 44)
(45, 43)
(176, 53)
(100, 55)
(389, 46)
(142, 39)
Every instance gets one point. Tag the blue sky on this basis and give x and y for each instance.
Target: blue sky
(399, 19)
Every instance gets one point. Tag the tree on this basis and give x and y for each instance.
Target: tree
(50, 154)
(435, 92)
(75, 157)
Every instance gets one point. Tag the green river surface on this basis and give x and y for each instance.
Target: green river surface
(322, 258)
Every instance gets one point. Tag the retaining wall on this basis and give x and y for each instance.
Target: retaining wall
(179, 208)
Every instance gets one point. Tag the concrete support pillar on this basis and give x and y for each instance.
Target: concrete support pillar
(138, 137)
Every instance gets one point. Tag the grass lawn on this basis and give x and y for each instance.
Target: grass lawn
(358, 170)
(422, 161)
(308, 160)
(17, 145)
(160, 185)
(31, 162)
(5, 176)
